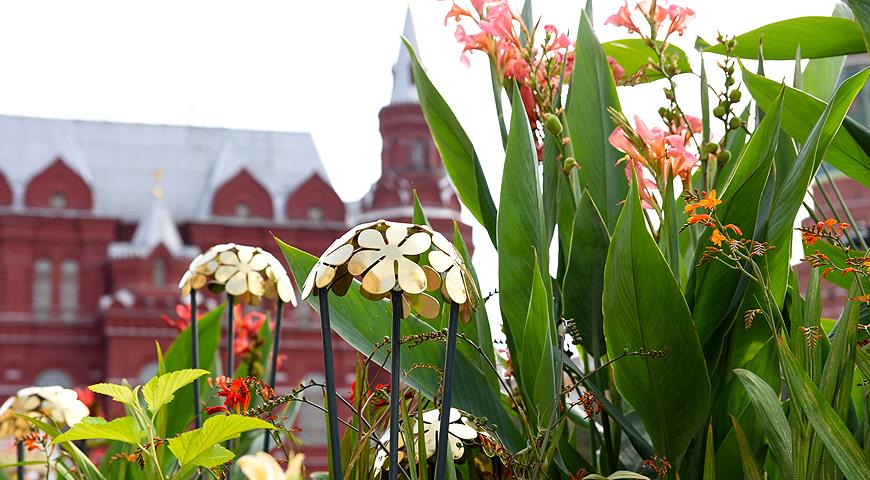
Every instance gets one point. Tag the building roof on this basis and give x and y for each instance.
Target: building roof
(117, 160)
(155, 228)
(404, 90)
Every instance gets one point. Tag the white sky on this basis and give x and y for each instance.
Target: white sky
(316, 66)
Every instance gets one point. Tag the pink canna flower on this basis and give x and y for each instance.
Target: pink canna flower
(478, 5)
(622, 18)
(661, 12)
(616, 69)
(498, 20)
(456, 12)
(645, 184)
(679, 16)
(681, 161)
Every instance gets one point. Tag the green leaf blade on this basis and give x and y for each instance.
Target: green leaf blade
(817, 36)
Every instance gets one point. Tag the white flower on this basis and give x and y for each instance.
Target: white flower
(386, 264)
(457, 287)
(56, 404)
(333, 259)
(262, 466)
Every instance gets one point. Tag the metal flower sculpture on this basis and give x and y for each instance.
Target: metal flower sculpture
(401, 262)
(462, 432)
(247, 274)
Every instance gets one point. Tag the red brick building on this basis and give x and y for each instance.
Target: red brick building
(92, 245)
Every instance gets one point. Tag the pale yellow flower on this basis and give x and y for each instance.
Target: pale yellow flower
(57, 405)
(262, 466)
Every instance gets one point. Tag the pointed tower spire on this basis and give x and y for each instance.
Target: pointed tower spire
(404, 90)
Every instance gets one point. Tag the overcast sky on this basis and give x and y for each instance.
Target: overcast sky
(316, 66)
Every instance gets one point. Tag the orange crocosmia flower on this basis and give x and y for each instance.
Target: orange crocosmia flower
(710, 201)
(700, 218)
(733, 228)
(829, 223)
(717, 237)
(826, 272)
(848, 270)
(861, 298)
(809, 238)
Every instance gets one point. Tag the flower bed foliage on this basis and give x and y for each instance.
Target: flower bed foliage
(672, 340)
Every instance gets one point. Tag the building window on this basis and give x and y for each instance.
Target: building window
(311, 421)
(41, 301)
(315, 213)
(52, 377)
(418, 155)
(69, 290)
(243, 210)
(158, 273)
(57, 200)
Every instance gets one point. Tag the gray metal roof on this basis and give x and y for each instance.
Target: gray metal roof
(118, 160)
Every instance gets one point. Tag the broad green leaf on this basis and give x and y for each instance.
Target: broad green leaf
(821, 75)
(751, 470)
(644, 309)
(840, 443)
(861, 10)
(836, 380)
(161, 389)
(122, 429)
(633, 55)
(82, 461)
(710, 456)
(817, 37)
(521, 239)
(213, 456)
(789, 197)
(119, 393)
(770, 415)
(551, 186)
(801, 112)
(190, 447)
(583, 283)
(471, 392)
(457, 152)
(592, 91)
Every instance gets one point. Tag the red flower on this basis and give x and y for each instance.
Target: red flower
(622, 18)
(245, 326)
(237, 395)
(182, 322)
(86, 396)
(679, 16)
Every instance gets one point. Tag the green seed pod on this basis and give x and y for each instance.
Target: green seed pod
(729, 81)
(734, 123)
(568, 164)
(552, 124)
(719, 111)
(735, 96)
(711, 147)
(724, 156)
(663, 112)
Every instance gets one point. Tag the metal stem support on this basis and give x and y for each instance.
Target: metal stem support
(231, 340)
(326, 333)
(194, 357)
(276, 347)
(446, 397)
(395, 390)
(20, 459)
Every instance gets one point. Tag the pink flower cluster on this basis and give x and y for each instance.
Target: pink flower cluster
(536, 69)
(676, 16)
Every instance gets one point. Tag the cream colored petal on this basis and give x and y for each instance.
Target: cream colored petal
(456, 448)
(237, 284)
(228, 258)
(285, 290)
(222, 247)
(433, 279)
(185, 289)
(455, 285)
(208, 267)
(362, 260)
(470, 288)
(245, 253)
(440, 261)
(324, 276)
(198, 281)
(224, 272)
(260, 466)
(184, 279)
(255, 284)
(395, 234)
(370, 239)
(339, 255)
(455, 415)
(425, 305)
(412, 278)
(196, 262)
(416, 244)
(308, 286)
(443, 244)
(462, 431)
(381, 278)
(258, 262)
(431, 438)
(432, 416)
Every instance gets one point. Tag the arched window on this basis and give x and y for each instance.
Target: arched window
(158, 273)
(311, 421)
(57, 200)
(418, 155)
(41, 291)
(69, 290)
(52, 377)
(243, 210)
(315, 212)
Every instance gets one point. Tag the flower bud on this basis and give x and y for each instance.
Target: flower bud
(732, 44)
(669, 94)
(568, 164)
(724, 156)
(734, 123)
(734, 96)
(719, 111)
(663, 112)
(711, 147)
(671, 69)
(552, 124)
(729, 81)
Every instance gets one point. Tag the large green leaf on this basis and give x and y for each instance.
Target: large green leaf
(583, 283)
(457, 152)
(122, 429)
(817, 37)
(363, 323)
(840, 443)
(82, 461)
(861, 10)
(821, 75)
(119, 393)
(770, 415)
(800, 116)
(592, 91)
(161, 389)
(196, 446)
(644, 309)
(633, 54)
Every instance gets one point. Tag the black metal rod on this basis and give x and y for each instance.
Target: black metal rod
(446, 396)
(194, 357)
(231, 337)
(332, 409)
(276, 347)
(395, 371)
(20, 459)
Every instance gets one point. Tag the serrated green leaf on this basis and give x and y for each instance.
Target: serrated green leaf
(161, 389)
(190, 447)
(817, 36)
(214, 456)
(770, 415)
(119, 393)
(122, 429)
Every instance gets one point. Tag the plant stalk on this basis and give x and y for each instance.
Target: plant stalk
(194, 357)
(446, 400)
(395, 370)
(326, 333)
(276, 347)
